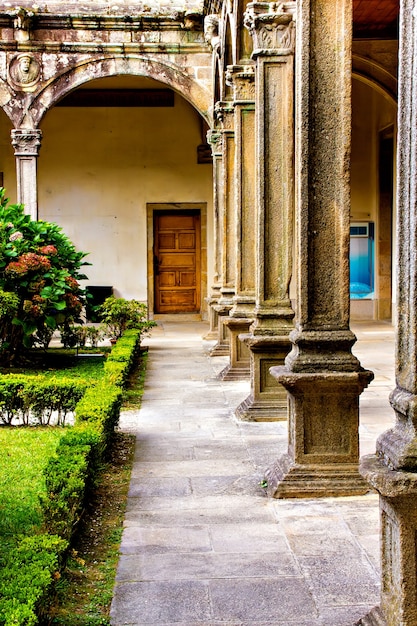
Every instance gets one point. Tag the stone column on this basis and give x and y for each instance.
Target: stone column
(242, 79)
(224, 113)
(26, 144)
(214, 138)
(322, 377)
(272, 31)
(393, 470)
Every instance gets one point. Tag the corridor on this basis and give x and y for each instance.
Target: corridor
(202, 545)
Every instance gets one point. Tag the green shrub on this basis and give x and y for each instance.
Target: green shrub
(26, 576)
(33, 399)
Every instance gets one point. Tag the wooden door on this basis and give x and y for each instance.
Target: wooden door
(177, 261)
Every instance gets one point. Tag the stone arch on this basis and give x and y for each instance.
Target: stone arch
(376, 76)
(104, 67)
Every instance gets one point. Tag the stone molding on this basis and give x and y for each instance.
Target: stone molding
(242, 79)
(271, 26)
(26, 142)
(224, 114)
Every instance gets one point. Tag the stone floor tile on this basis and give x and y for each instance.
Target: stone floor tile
(207, 565)
(249, 538)
(259, 599)
(155, 603)
(160, 540)
(167, 488)
(337, 580)
(143, 511)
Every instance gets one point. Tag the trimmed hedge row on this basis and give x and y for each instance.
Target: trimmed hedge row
(30, 399)
(26, 579)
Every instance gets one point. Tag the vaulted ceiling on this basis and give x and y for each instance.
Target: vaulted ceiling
(375, 18)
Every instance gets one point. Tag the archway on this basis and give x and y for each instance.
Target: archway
(101, 165)
(372, 199)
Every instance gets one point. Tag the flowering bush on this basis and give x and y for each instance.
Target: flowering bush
(39, 274)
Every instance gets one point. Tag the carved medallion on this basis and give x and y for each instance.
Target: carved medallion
(24, 72)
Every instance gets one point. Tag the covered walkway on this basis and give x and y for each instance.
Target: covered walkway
(202, 544)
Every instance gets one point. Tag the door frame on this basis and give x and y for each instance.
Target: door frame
(174, 207)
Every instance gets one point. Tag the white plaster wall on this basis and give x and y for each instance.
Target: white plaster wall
(99, 167)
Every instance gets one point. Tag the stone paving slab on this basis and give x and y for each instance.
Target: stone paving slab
(202, 545)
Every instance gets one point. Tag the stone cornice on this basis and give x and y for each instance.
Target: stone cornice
(145, 47)
(45, 21)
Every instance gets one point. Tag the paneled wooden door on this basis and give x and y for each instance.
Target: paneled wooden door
(177, 252)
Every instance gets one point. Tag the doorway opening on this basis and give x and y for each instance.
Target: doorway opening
(177, 259)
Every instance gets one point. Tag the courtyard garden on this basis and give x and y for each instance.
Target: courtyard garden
(61, 390)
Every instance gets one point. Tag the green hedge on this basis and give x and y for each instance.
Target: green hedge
(27, 575)
(35, 399)
(70, 475)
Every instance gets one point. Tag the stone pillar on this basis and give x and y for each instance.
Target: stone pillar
(393, 470)
(26, 144)
(268, 342)
(214, 138)
(323, 378)
(242, 79)
(224, 113)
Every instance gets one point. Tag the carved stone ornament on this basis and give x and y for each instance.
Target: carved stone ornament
(242, 79)
(271, 25)
(26, 142)
(215, 139)
(24, 72)
(211, 31)
(223, 113)
(22, 19)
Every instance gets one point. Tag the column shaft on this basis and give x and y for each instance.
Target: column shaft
(393, 470)
(322, 377)
(26, 144)
(242, 79)
(267, 340)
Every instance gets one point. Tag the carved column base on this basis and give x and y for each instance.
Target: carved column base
(222, 347)
(287, 479)
(239, 367)
(267, 401)
(373, 618)
(323, 438)
(398, 513)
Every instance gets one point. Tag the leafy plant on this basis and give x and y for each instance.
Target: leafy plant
(39, 280)
(118, 315)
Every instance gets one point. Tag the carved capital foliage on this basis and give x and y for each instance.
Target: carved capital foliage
(224, 114)
(242, 79)
(26, 142)
(271, 25)
(215, 139)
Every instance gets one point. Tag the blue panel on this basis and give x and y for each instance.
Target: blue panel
(361, 262)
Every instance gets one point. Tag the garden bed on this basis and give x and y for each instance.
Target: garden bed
(30, 568)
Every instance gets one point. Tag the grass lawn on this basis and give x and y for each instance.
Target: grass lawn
(25, 453)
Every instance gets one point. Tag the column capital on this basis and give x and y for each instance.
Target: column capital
(26, 142)
(271, 26)
(215, 139)
(224, 114)
(242, 79)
